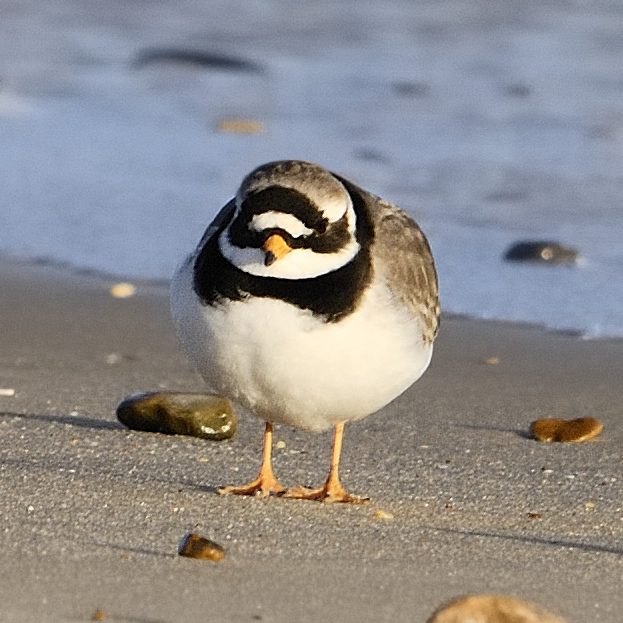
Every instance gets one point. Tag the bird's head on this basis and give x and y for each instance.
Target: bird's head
(293, 220)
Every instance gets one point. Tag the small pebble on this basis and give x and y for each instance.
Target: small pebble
(240, 126)
(195, 546)
(196, 58)
(542, 251)
(518, 90)
(176, 413)
(98, 615)
(553, 429)
(492, 609)
(123, 290)
(411, 89)
(381, 514)
(281, 445)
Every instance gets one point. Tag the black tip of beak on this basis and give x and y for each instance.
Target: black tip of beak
(270, 258)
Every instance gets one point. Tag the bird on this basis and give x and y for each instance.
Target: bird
(310, 302)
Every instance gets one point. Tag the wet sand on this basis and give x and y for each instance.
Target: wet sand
(92, 513)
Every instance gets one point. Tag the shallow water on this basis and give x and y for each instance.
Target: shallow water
(489, 125)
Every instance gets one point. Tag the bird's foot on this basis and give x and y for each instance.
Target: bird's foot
(327, 493)
(261, 487)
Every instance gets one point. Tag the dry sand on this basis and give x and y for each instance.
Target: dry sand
(92, 513)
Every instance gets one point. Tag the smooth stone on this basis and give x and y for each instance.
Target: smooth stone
(492, 609)
(123, 290)
(543, 251)
(197, 58)
(546, 429)
(411, 89)
(580, 430)
(240, 126)
(195, 546)
(206, 416)
(577, 431)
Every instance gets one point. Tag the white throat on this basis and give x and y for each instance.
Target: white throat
(298, 263)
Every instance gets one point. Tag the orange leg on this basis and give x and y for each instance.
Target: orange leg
(332, 490)
(265, 483)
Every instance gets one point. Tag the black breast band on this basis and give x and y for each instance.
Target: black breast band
(333, 295)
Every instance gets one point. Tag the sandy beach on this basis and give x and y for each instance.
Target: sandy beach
(92, 513)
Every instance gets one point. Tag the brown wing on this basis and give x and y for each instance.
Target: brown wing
(404, 260)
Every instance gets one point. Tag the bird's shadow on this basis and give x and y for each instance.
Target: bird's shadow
(202, 488)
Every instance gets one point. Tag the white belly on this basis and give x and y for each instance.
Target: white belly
(288, 367)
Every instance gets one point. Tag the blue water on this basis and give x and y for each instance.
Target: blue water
(489, 124)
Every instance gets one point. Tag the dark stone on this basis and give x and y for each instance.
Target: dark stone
(175, 413)
(411, 89)
(518, 89)
(543, 251)
(197, 58)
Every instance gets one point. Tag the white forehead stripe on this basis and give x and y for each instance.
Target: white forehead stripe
(279, 220)
(334, 208)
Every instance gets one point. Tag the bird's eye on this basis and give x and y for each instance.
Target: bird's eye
(321, 226)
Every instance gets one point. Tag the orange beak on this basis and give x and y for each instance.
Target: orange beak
(275, 248)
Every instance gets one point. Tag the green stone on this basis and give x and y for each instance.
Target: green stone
(176, 413)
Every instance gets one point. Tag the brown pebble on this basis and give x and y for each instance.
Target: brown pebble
(123, 290)
(492, 609)
(547, 429)
(206, 416)
(195, 546)
(98, 615)
(581, 429)
(240, 126)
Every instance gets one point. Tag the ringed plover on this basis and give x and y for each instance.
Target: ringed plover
(310, 302)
